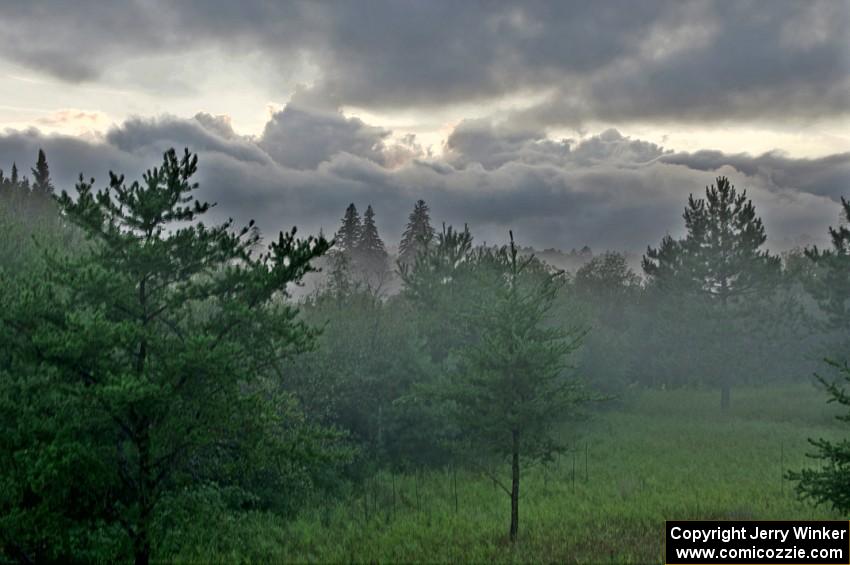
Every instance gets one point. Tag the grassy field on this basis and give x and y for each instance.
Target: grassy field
(662, 455)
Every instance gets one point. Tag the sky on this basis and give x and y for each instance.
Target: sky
(569, 122)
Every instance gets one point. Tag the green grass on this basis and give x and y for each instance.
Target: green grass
(663, 455)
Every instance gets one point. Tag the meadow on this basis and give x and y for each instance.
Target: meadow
(657, 455)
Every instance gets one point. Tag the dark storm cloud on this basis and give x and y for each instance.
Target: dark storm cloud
(827, 176)
(205, 133)
(734, 61)
(302, 139)
(615, 60)
(479, 141)
(609, 191)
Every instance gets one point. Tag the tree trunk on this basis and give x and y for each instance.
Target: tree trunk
(725, 396)
(515, 487)
(142, 549)
(141, 539)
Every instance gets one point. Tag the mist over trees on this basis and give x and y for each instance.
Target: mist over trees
(161, 383)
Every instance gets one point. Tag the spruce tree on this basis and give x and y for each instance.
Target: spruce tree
(349, 233)
(142, 371)
(715, 268)
(370, 254)
(41, 176)
(417, 235)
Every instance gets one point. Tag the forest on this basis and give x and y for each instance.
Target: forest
(174, 389)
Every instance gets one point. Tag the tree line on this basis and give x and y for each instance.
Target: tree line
(154, 367)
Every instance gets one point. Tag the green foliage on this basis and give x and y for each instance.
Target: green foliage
(510, 387)
(830, 484)
(512, 378)
(609, 290)
(642, 469)
(42, 184)
(443, 286)
(144, 366)
(721, 255)
(830, 286)
(370, 257)
(364, 375)
(27, 215)
(417, 235)
(714, 291)
(829, 283)
(348, 236)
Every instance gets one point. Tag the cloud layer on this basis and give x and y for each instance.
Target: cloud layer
(578, 61)
(609, 190)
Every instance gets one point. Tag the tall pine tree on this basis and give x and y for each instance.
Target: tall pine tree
(349, 233)
(42, 183)
(417, 235)
(717, 267)
(142, 371)
(370, 254)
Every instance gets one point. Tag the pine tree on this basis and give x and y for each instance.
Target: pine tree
(143, 369)
(417, 235)
(511, 386)
(830, 484)
(718, 264)
(370, 254)
(721, 255)
(14, 176)
(41, 176)
(831, 288)
(349, 233)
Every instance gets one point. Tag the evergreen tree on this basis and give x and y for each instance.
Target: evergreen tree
(41, 176)
(609, 283)
(25, 213)
(417, 235)
(716, 268)
(350, 231)
(830, 484)
(441, 283)
(831, 286)
(140, 372)
(510, 388)
(370, 255)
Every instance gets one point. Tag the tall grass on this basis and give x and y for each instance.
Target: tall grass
(665, 455)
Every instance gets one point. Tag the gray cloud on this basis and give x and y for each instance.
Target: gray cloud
(609, 191)
(618, 61)
(480, 141)
(302, 139)
(204, 133)
(827, 176)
